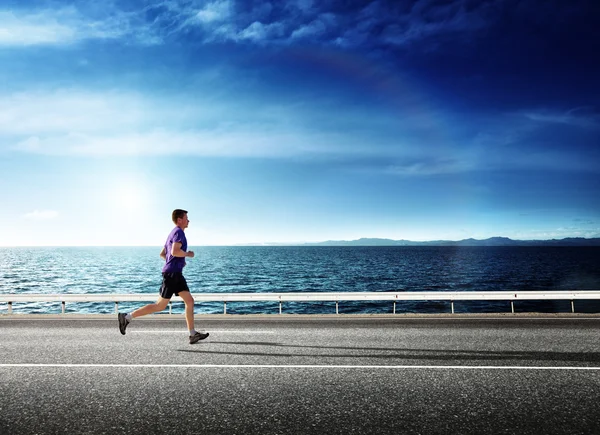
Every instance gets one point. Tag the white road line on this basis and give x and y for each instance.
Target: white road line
(299, 366)
(230, 331)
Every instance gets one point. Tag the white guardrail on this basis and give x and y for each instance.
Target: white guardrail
(511, 296)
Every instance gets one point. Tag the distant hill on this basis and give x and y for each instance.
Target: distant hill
(492, 241)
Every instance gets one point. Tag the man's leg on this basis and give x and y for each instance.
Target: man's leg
(189, 308)
(195, 337)
(160, 305)
(124, 319)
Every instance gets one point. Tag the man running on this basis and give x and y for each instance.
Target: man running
(174, 253)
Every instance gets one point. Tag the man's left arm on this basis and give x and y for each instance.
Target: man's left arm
(163, 254)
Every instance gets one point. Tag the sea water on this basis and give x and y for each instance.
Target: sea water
(256, 269)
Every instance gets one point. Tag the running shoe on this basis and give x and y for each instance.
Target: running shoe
(123, 322)
(197, 337)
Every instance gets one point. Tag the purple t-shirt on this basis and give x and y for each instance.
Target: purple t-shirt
(175, 264)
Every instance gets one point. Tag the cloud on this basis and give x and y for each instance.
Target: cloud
(546, 229)
(164, 142)
(217, 11)
(316, 28)
(260, 32)
(352, 24)
(69, 25)
(429, 19)
(80, 122)
(237, 141)
(579, 117)
(427, 167)
(523, 141)
(528, 153)
(124, 123)
(55, 27)
(559, 233)
(37, 28)
(580, 221)
(117, 122)
(330, 23)
(41, 215)
(43, 112)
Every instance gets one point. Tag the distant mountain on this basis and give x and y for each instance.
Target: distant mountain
(492, 241)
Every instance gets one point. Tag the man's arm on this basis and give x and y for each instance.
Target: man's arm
(163, 254)
(176, 251)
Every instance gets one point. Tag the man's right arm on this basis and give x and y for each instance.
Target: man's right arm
(176, 251)
(163, 254)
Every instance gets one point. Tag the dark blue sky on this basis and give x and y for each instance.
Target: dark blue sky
(299, 121)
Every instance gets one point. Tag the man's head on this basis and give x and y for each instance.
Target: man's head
(180, 218)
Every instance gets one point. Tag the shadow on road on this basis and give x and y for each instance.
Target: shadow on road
(402, 353)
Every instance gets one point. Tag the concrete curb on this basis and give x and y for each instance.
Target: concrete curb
(242, 317)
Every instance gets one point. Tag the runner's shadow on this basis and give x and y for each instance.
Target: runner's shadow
(402, 353)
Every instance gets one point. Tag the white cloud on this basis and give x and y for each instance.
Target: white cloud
(241, 141)
(432, 167)
(579, 116)
(259, 32)
(41, 215)
(37, 28)
(78, 122)
(53, 27)
(217, 11)
(498, 151)
(96, 123)
(69, 26)
(307, 20)
(226, 20)
(40, 112)
(557, 233)
(121, 123)
(314, 29)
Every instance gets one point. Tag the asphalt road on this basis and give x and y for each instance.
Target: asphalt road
(290, 374)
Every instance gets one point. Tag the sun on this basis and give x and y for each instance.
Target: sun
(130, 197)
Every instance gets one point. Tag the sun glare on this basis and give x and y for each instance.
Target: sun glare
(129, 197)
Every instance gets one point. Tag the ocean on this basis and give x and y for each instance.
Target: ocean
(305, 269)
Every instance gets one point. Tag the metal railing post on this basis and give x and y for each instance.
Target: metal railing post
(452, 306)
(63, 306)
(224, 307)
(116, 307)
(9, 307)
(336, 307)
(572, 306)
(280, 307)
(394, 312)
(170, 307)
(512, 307)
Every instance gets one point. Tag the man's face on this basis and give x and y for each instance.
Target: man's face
(184, 221)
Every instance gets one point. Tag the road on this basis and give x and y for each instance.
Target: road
(295, 374)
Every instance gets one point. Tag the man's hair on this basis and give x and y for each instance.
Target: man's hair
(177, 214)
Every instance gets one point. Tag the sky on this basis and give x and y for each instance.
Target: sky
(298, 121)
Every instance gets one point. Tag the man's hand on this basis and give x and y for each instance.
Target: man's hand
(190, 254)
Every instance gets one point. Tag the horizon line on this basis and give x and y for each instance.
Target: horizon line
(259, 244)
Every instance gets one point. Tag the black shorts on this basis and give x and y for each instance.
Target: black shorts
(172, 284)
